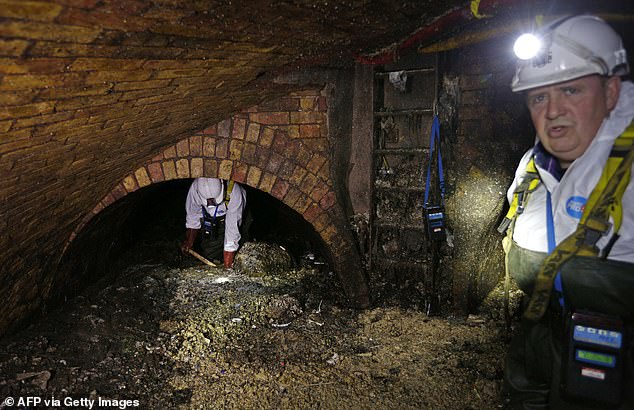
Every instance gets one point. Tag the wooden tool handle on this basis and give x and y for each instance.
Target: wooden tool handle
(200, 258)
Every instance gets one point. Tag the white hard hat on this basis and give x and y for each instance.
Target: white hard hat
(210, 188)
(572, 47)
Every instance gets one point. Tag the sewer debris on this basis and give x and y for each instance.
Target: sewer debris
(203, 337)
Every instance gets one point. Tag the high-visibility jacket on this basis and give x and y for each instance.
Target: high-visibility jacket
(570, 194)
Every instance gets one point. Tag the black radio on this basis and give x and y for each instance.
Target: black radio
(435, 220)
(593, 361)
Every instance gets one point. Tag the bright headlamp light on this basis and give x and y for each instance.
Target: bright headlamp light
(527, 46)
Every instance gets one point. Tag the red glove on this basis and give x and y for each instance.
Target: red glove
(228, 258)
(190, 237)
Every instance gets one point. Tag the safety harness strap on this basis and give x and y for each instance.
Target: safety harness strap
(520, 197)
(604, 201)
(228, 189)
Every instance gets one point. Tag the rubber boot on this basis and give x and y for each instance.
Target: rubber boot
(228, 258)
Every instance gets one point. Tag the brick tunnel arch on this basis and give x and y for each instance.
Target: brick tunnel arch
(279, 148)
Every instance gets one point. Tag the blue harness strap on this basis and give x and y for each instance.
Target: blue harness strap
(435, 139)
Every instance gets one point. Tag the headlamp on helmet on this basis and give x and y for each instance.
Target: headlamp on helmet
(527, 46)
(568, 48)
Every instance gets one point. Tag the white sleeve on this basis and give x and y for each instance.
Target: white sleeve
(520, 172)
(233, 220)
(193, 210)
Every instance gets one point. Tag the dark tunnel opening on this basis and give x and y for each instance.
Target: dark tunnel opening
(147, 227)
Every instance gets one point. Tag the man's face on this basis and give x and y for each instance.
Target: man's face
(568, 115)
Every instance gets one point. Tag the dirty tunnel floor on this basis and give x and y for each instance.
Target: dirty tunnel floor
(203, 337)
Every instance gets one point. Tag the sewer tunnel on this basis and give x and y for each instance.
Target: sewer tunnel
(109, 109)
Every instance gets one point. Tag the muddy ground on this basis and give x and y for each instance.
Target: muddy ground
(163, 337)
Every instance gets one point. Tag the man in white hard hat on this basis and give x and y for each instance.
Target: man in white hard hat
(570, 228)
(210, 204)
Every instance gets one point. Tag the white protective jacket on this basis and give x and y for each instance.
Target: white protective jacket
(204, 188)
(570, 194)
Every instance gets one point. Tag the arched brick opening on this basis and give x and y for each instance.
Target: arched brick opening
(280, 148)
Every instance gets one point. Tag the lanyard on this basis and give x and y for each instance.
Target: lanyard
(550, 225)
(435, 138)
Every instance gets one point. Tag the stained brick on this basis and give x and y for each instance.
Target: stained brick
(286, 169)
(29, 81)
(13, 47)
(329, 233)
(130, 183)
(108, 64)
(43, 119)
(196, 167)
(35, 65)
(312, 212)
(224, 128)
(298, 175)
(328, 201)
(119, 192)
(239, 129)
(307, 117)
(170, 152)
(319, 190)
(249, 153)
(222, 148)
(253, 177)
(303, 155)
(180, 73)
(225, 169)
(291, 197)
(235, 149)
(321, 222)
(90, 101)
(308, 103)
(169, 170)
(280, 188)
(302, 203)
(274, 163)
(317, 144)
(279, 142)
(140, 85)
(156, 172)
(315, 164)
(310, 131)
(196, 145)
(46, 31)
(308, 183)
(266, 182)
(270, 118)
(182, 168)
(210, 168)
(266, 139)
(253, 132)
(142, 177)
(212, 130)
(5, 125)
(209, 147)
(240, 171)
